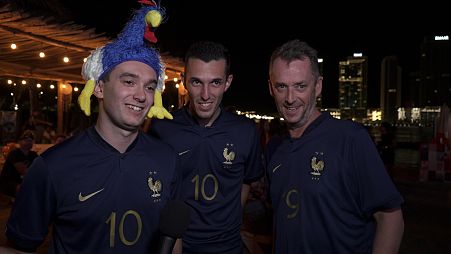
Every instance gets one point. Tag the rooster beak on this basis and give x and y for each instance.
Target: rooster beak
(153, 18)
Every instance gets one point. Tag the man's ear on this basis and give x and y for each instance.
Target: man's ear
(228, 82)
(270, 88)
(318, 86)
(98, 89)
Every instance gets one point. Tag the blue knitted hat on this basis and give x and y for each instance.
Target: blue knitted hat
(131, 45)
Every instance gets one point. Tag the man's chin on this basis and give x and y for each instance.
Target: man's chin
(204, 115)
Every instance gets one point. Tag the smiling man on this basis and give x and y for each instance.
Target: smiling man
(219, 153)
(329, 188)
(102, 190)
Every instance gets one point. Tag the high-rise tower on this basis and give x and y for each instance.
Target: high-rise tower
(435, 70)
(353, 79)
(391, 80)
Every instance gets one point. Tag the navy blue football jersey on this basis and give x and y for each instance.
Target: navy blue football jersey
(98, 199)
(215, 161)
(325, 187)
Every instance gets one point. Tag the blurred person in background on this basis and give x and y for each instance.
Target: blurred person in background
(17, 163)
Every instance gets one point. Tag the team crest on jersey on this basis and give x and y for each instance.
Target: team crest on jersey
(317, 165)
(154, 185)
(229, 154)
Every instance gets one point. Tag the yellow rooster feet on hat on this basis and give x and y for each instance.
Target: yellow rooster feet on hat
(157, 110)
(84, 99)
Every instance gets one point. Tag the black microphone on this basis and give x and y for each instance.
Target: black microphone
(175, 217)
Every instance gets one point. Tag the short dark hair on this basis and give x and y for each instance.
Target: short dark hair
(296, 50)
(27, 134)
(208, 51)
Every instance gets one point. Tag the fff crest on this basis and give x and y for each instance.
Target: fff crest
(317, 165)
(154, 185)
(229, 154)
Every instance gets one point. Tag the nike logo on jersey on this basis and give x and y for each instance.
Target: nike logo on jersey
(277, 167)
(84, 198)
(182, 153)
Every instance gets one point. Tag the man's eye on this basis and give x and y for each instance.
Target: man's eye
(128, 82)
(150, 88)
(300, 86)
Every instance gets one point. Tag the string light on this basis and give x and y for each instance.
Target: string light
(85, 59)
(66, 59)
(9, 81)
(38, 85)
(13, 46)
(42, 53)
(76, 89)
(24, 82)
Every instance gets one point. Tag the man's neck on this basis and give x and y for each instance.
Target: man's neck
(205, 122)
(118, 138)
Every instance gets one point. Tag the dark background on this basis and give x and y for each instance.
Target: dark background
(252, 30)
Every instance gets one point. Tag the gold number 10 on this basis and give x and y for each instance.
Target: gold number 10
(196, 181)
(112, 221)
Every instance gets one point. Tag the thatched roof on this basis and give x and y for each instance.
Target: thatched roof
(34, 31)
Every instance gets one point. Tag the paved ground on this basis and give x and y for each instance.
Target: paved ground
(427, 215)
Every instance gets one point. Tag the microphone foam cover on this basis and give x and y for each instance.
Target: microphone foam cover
(175, 217)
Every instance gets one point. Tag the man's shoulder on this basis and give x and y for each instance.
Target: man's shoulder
(78, 143)
(15, 152)
(341, 125)
(240, 121)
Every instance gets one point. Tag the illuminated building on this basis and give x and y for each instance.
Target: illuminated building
(435, 68)
(391, 79)
(353, 79)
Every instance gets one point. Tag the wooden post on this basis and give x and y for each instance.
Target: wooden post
(60, 107)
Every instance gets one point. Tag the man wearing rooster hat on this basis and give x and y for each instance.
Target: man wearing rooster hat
(103, 189)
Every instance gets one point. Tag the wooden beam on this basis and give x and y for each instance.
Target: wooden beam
(44, 39)
(65, 67)
(22, 71)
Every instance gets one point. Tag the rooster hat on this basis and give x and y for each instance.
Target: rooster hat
(132, 44)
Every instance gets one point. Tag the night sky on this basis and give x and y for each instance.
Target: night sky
(251, 32)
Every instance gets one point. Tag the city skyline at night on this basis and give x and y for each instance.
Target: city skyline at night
(253, 32)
